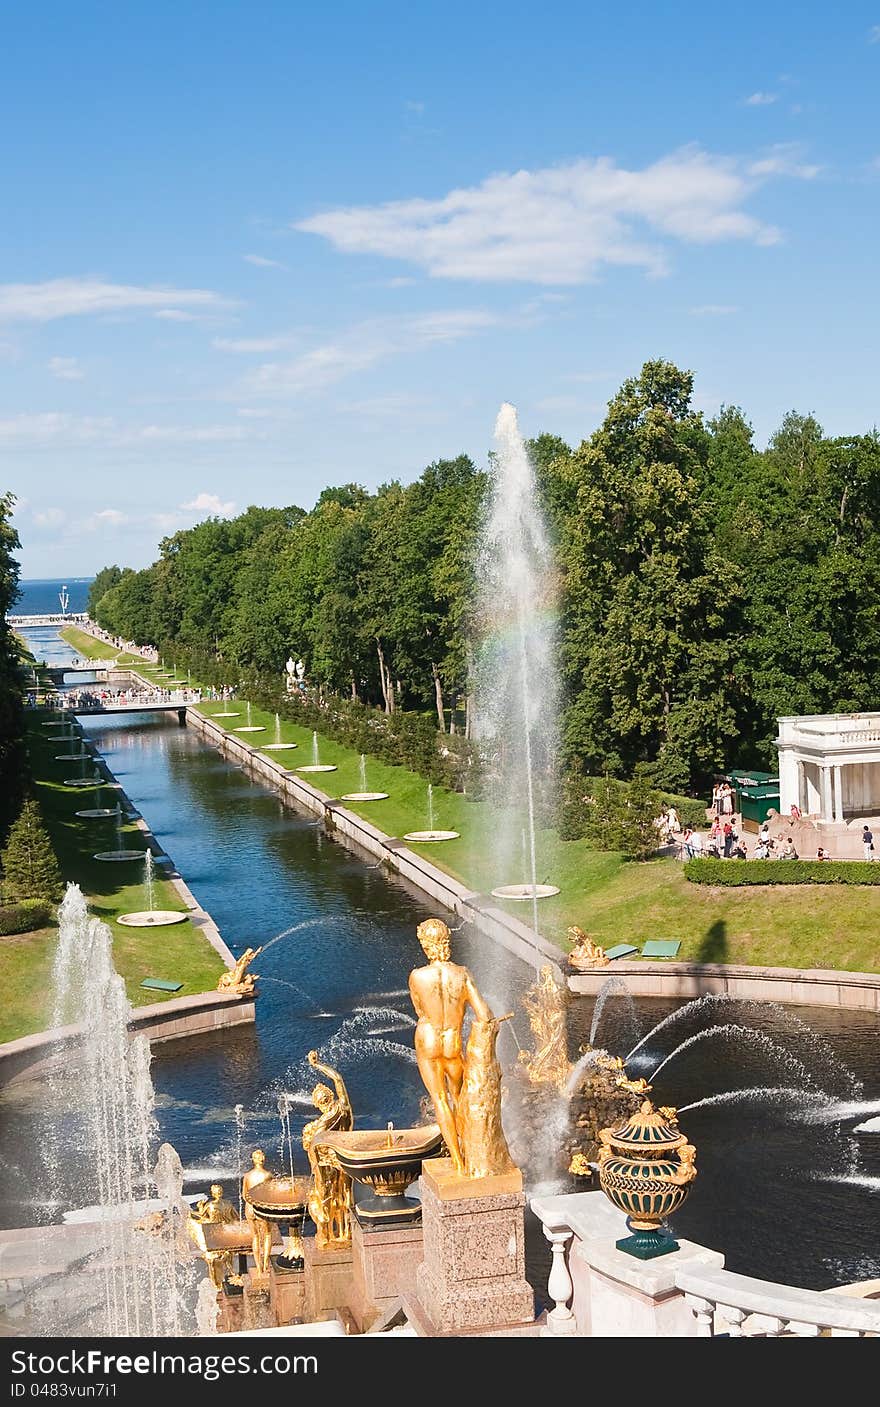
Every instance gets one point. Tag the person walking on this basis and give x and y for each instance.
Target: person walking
(868, 843)
(728, 839)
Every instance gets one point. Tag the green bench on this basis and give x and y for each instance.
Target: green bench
(661, 948)
(158, 984)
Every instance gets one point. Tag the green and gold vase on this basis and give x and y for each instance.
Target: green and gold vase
(646, 1166)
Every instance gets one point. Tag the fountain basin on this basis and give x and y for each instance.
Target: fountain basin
(250, 728)
(97, 813)
(224, 715)
(384, 1162)
(318, 767)
(426, 837)
(276, 747)
(364, 795)
(152, 918)
(119, 855)
(94, 781)
(282, 1201)
(522, 892)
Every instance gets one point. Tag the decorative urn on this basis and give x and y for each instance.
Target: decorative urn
(384, 1163)
(646, 1166)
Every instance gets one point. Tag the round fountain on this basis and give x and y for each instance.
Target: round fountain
(120, 854)
(524, 893)
(432, 835)
(277, 745)
(250, 727)
(316, 765)
(364, 794)
(151, 917)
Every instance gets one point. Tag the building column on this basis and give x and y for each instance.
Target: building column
(827, 808)
(838, 792)
(803, 799)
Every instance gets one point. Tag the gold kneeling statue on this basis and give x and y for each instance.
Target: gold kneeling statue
(217, 1209)
(330, 1200)
(465, 1088)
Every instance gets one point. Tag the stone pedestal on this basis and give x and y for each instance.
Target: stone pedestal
(473, 1273)
(328, 1280)
(287, 1291)
(383, 1269)
(231, 1316)
(257, 1302)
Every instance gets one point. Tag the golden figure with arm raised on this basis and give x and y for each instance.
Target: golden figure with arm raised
(330, 1199)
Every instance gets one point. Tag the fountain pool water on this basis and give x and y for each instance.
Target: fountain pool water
(515, 678)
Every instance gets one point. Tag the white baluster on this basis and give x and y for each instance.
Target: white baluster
(734, 1318)
(704, 1311)
(561, 1323)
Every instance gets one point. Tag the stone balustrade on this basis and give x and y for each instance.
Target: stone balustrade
(736, 1306)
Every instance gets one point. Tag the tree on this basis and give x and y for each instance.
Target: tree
(29, 867)
(12, 760)
(105, 580)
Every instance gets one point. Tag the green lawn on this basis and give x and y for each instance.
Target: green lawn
(93, 649)
(179, 953)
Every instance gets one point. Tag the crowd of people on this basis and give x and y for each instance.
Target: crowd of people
(722, 839)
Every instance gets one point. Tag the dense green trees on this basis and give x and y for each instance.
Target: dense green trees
(705, 587)
(11, 718)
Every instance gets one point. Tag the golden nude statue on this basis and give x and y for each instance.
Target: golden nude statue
(261, 1231)
(544, 1002)
(217, 1209)
(585, 952)
(237, 979)
(466, 1092)
(330, 1199)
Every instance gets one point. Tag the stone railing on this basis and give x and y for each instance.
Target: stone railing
(737, 1307)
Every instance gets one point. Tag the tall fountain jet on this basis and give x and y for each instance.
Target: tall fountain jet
(516, 694)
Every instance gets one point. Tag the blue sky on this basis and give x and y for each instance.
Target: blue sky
(250, 250)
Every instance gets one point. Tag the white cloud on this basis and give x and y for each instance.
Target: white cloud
(760, 99)
(76, 297)
(48, 518)
(874, 34)
(364, 345)
(107, 517)
(263, 263)
(176, 315)
(250, 344)
(211, 504)
(248, 413)
(48, 428)
(783, 160)
(66, 368)
(563, 224)
(714, 310)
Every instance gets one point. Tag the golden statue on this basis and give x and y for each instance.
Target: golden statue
(469, 1117)
(261, 1231)
(585, 952)
(330, 1199)
(237, 979)
(545, 1007)
(639, 1086)
(217, 1209)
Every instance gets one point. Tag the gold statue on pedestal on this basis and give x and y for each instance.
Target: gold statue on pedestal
(217, 1209)
(465, 1089)
(545, 1005)
(261, 1231)
(330, 1200)
(585, 952)
(237, 979)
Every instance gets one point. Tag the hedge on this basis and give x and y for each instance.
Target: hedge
(25, 916)
(576, 822)
(748, 872)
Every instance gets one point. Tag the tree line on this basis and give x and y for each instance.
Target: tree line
(705, 586)
(12, 767)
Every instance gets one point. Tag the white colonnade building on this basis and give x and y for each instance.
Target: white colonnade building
(829, 766)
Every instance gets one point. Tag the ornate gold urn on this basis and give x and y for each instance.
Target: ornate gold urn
(646, 1166)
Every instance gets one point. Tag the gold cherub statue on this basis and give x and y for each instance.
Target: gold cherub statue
(237, 979)
(330, 1199)
(466, 1091)
(217, 1209)
(585, 952)
(545, 1007)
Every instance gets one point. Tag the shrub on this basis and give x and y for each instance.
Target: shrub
(25, 917)
(749, 872)
(594, 819)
